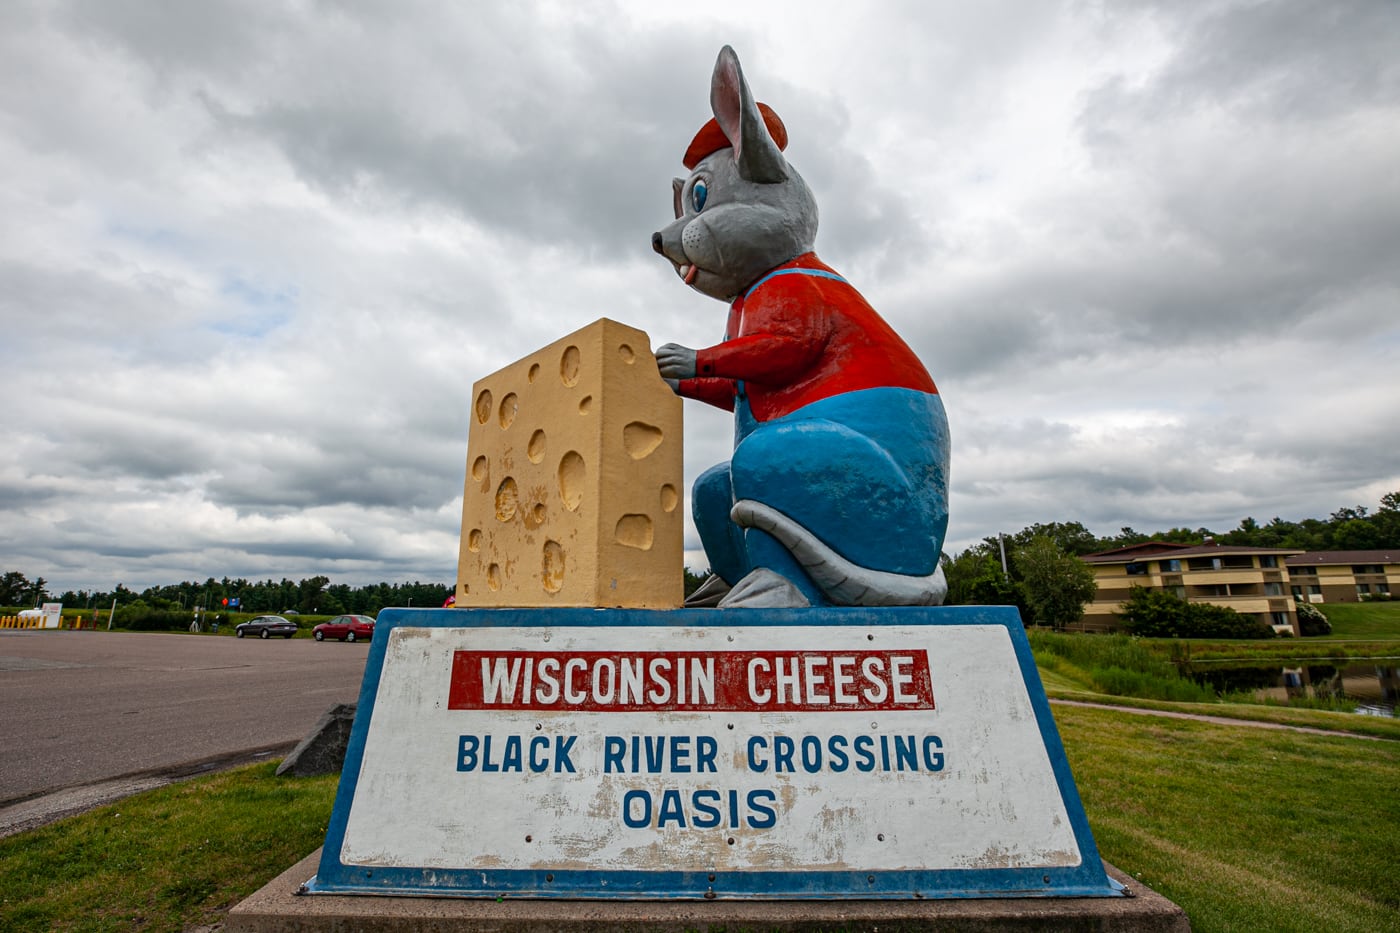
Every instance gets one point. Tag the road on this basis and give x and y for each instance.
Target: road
(79, 708)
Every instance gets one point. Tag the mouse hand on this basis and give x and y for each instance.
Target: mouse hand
(675, 361)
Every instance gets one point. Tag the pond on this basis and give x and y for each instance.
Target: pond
(1373, 684)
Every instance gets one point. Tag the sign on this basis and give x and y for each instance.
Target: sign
(890, 753)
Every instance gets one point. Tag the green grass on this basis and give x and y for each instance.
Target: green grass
(1283, 650)
(1363, 620)
(1114, 665)
(1246, 829)
(165, 859)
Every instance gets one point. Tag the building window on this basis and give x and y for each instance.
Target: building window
(1170, 566)
(1382, 587)
(1273, 589)
(1203, 563)
(1281, 618)
(1315, 590)
(1363, 588)
(1367, 568)
(1268, 560)
(1137, 569)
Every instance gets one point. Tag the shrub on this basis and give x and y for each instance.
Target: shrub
(1207, 620)
(1159, 614)
(1312, 620)
(139, 617)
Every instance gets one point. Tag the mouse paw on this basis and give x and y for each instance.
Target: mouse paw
(764, 589)
(708, 594)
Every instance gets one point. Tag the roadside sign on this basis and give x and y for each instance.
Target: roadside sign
(815, 753)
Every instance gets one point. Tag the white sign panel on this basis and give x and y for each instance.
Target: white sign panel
(590, 755)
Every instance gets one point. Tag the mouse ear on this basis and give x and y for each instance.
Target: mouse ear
(758, 156)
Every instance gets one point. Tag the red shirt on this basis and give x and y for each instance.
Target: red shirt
(795, 338)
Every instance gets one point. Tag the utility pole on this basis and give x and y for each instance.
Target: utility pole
(1001, 543)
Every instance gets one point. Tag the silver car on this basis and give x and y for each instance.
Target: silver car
(266, 627)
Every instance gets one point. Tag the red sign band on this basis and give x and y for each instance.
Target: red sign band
(679, 681)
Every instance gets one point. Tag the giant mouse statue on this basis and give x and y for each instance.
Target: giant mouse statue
(837, 490)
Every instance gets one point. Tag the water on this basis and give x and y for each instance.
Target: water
(1374, 685)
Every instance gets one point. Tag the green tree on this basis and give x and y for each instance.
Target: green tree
(975, 578)
(1386, 520)
(1356, 534)
(14, 588)
(1153, 613)
(1126, 537)
(1069, 537)
(308, 598)
(1056, 585)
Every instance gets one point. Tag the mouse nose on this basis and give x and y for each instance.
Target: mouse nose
(656, 242)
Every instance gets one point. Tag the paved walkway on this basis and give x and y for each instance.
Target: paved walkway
(1220, 720)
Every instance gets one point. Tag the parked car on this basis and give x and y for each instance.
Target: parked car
(266, 627)
(345, 628)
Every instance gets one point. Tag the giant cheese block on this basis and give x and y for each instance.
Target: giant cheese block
(573, 487)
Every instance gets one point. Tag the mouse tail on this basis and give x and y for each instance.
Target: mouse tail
(843, 582)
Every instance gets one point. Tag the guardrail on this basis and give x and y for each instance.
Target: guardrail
(21, 622)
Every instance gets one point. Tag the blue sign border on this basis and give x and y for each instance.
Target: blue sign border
(1088, 879)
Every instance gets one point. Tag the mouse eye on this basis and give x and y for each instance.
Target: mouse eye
(697, 196)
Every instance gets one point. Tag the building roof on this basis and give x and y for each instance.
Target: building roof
(1141, 550)
(1321, 558)
(1147, 550)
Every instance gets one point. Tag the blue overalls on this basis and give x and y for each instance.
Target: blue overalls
(865, 472)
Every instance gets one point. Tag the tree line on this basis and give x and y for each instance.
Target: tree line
(312, 595)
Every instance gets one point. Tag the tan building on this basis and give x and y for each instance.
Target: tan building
(1344, 576)
(1251, 580)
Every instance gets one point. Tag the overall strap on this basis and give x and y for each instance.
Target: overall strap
(819, 273)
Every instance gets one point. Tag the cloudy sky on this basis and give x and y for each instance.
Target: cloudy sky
(253, 255)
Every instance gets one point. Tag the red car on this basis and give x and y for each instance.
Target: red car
(345, 628)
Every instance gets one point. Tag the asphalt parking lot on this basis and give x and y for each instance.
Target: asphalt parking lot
(79, 708)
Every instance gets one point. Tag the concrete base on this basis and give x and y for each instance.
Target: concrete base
(277, 909)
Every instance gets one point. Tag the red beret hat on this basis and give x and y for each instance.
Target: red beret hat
(711, 138)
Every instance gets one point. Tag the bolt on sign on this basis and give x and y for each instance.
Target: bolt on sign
(813, 753)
